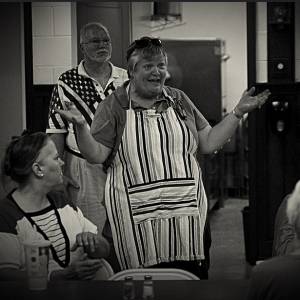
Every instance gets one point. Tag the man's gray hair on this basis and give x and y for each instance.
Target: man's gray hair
(89, 26)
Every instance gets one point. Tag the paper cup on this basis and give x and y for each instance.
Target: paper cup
(37, 258)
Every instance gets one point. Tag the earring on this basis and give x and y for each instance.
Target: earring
(41, 175)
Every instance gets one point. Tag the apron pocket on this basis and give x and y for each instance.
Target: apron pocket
(163, 199)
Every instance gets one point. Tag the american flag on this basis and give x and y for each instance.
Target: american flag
(81, 91)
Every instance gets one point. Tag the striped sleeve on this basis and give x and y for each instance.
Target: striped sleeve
(55, 122)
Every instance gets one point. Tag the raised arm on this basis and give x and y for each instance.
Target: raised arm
(213, 138)
(91, 150)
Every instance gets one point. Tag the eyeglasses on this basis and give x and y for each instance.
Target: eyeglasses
(97, 42)
(143, 42)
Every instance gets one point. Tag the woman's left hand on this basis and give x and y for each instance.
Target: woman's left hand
(248, 102)
(88, 240)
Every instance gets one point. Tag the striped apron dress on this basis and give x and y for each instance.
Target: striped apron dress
(155, 199)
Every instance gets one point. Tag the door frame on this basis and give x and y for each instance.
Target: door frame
(37, 96)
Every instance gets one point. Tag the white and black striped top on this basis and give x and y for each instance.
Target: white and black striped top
(47, 221)
(60, 222)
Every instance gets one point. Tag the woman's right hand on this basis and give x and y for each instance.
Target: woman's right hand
(248, 101)
(83, 268)
(71, 114)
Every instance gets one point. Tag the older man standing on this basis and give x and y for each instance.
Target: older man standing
(85, 86)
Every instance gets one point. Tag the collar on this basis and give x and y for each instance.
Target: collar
(166, 97)
(121, 95)
(164, 92)
(82, 71)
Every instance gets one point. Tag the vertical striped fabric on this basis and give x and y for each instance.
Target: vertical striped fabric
(155, 198)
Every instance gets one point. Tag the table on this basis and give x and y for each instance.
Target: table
(112, 290)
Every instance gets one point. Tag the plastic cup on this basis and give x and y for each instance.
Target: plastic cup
(37, 258)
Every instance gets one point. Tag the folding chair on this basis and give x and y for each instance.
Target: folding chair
(156, 273)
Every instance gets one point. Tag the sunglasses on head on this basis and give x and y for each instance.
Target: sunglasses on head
(146, 42)
(143, 42)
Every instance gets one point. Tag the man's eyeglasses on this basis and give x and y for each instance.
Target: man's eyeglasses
(143, 42)
(97, 42)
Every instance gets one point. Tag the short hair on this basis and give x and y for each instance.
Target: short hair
(21, 153)
(144, 48)
(293, 209)
(89, 26)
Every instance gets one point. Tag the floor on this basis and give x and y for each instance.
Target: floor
(227, 251)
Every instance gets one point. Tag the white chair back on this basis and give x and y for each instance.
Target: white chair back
(156, 273)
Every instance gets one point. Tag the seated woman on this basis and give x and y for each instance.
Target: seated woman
(35, 210)
(284, 232)
(278, 277)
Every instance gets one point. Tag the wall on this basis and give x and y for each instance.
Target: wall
(52, 40)
(261, 46)
(261, 43)
(53, 37)
(225, 20)
(12, 108)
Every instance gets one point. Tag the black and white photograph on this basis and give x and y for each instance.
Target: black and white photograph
(150, 150)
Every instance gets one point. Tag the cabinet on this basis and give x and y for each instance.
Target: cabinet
(197, 66)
